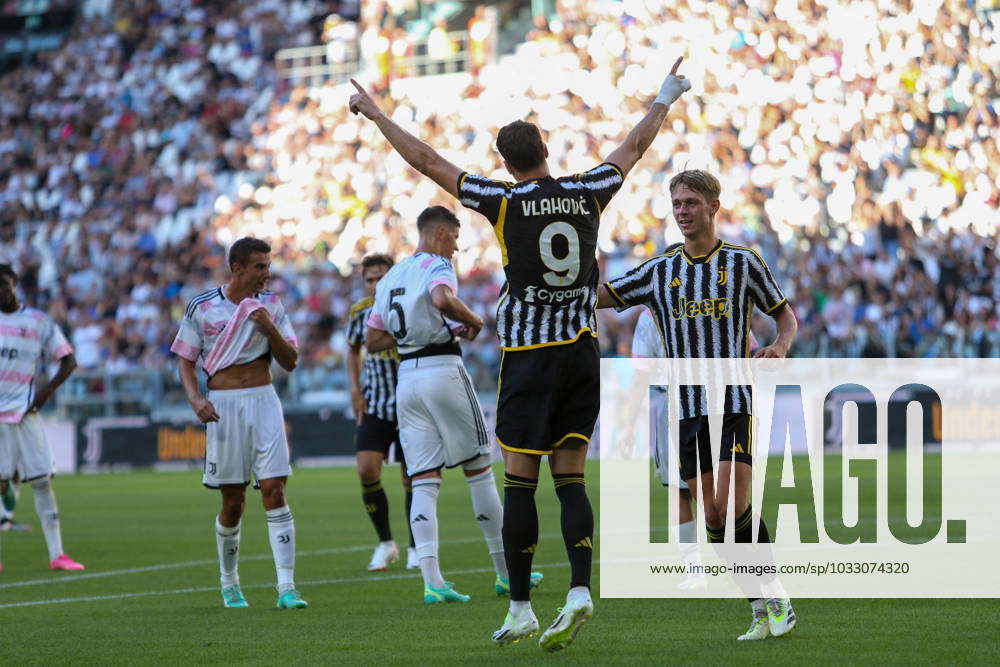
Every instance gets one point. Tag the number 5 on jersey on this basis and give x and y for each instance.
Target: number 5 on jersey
(400, 332)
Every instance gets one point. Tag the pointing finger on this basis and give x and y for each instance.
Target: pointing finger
(673, 70)
(358, 86)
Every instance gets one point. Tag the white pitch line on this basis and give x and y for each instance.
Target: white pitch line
(210, 589)
(64, 579)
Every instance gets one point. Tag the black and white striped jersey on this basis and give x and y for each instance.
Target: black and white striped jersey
(379, 369)
(547, 230)
(703, 307)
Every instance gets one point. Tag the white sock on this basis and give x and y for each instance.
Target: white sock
(45, 505)
(758, 607)
(517, 606)
(423, 522)
(281, 530)
(774, 589)
(578, 593)
(489, 513)
(227, 543)
(687, 534)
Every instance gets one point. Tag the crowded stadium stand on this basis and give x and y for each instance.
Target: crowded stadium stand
(856, 142)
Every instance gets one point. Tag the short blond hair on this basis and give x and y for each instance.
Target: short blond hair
(700, 181)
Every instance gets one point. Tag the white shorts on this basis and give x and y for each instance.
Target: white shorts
(440, 421)
(248, 438)
(660, 433)
(24, 448)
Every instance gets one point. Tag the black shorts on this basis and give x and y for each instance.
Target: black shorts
(696, 445)
(377, 435)
(549, 396)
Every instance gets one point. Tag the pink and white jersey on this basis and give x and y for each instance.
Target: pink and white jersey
(403, 304)
(28, 339)
(205, 322)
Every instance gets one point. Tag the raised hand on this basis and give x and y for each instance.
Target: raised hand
(361, 102)
(673, 86)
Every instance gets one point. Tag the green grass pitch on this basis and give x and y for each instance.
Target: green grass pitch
(149, 595)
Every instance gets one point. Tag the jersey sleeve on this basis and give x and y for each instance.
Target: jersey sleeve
(356, 324)
(633, 288)
(380, 309)
(190, 339)
(764, 291)
(55, 344)
(483, 195)
(646, 341)
(602, 182)
(442, 273)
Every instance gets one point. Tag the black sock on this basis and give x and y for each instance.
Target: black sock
(715, 536)
(520, 532)
(744, 527)
(763, 534)
(409, 503)
(744, 535)
(577, 520)
(377, 506)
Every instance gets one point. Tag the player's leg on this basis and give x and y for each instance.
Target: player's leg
(7, 504)
(685, 533)
(578, 389)
(7, 460)
(374, 437)
(520, 538)
(489, 514)
(741, 551)
(768, 599)
(697, 471)
(10, 494)
(421, 383)
(525, 398)
(281, 533)
(462, 428)
(412, 559)
(271, 465)
(36, 466)
(577, 522)
(685, 536)
(227, 543)
(227, 468)
(487, 510)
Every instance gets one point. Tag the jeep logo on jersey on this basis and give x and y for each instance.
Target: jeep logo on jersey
(715, 308)
(536, 294)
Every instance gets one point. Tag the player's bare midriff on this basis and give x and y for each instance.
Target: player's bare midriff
(256, 373)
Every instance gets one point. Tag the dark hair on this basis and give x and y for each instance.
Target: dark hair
(436, 215)
(8, 270)
(700, 181)
(376, 260)
(520, 143)
(246, 246)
